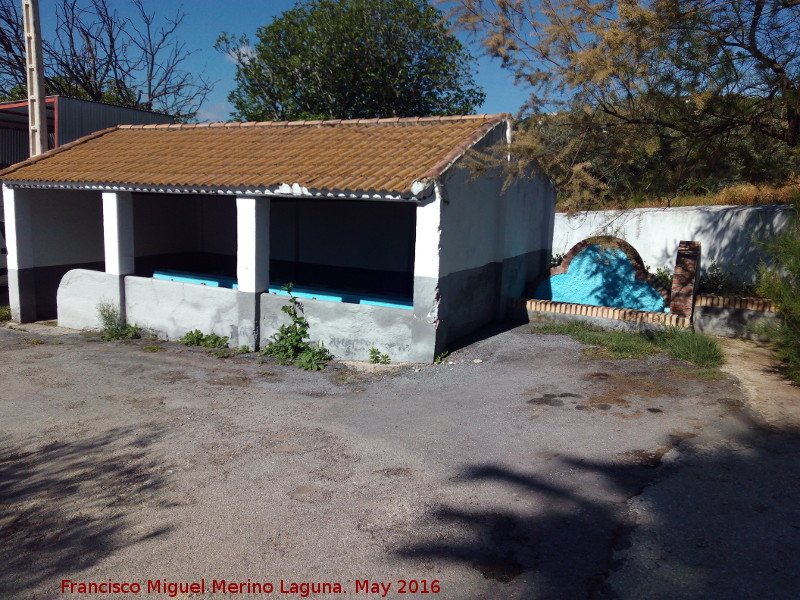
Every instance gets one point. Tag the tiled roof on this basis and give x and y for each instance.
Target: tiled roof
(361, 156)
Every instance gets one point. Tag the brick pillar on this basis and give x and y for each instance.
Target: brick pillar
(684, 280)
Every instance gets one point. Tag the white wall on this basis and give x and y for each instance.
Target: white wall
(482, 223)
(725, 233)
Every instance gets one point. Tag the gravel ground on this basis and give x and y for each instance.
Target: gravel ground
(521, 469)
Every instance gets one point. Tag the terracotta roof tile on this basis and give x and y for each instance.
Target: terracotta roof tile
(366, 155)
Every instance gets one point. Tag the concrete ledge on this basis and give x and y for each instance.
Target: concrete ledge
(733, 322)
(347, 330)
(521, 308)
(79, 293)
(170, 309)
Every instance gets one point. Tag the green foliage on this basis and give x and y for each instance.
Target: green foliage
(290, 345)
(781, 283)
(5, 314)
(375, 357)
(192, 338)
(244, 349)
(682, 344)
(441, 357)
(721, 282)
(691, 347)
(112, 324)
(198, 338)
(648, 99)
(664, 276)
(153, 348)
(350, 59)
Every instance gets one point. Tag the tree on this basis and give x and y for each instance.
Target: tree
(352, 59)
(95, 53)
(693, 76)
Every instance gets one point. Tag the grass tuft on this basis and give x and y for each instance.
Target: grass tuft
(5, 314)
(694, 348)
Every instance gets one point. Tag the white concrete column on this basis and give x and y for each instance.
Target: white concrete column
(19, 242)
(118, 232)
(252, 233)
(427, 243)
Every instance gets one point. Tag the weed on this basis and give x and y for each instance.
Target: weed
(5, 314)
(34, 341)
(221, 352)
(691, 347)
(439, 359)
(211, 341)
(375, 357)
(244, 349)
(152, 348)
(112, 324)
(682, 344)
(268, 373)
(290, 345)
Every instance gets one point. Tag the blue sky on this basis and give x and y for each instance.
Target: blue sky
(206, 19)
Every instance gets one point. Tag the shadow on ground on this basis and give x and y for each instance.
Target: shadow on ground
(69, 504)
(723, 521)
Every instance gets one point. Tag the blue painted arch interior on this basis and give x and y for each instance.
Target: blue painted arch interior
(600, 276)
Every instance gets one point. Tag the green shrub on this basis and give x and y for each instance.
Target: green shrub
(112, 324)
(291, 345)
(198, 338)
(781, 284)
(5, 314)
(722, 282)
(376, 358)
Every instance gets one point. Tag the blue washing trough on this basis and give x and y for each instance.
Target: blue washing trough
(298, 291)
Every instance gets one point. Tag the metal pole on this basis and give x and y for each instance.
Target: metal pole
(37, 109)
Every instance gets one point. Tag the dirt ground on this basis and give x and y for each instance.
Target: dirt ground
(521, 469)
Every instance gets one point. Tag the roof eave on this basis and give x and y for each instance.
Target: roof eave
(419, 190)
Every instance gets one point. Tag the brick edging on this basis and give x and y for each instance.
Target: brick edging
(735, 302)
(606, 312)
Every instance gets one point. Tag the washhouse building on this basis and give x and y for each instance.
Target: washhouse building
(388, 240)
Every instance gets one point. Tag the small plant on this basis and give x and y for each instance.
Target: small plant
(5, 314)
(440, 357)
(198, 338)
(34, 341)
(376, 358)
(290, 345)
(724, 283)
(221, 353)
(152, 348)
(112, 324)
(214, 341)
(314, 359)
(192, 338)
(244, 349)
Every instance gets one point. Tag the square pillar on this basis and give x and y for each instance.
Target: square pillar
(252, 264)
(19, 241)
(685, 278)
(252, 249)
(427, 338)
(118, 232)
